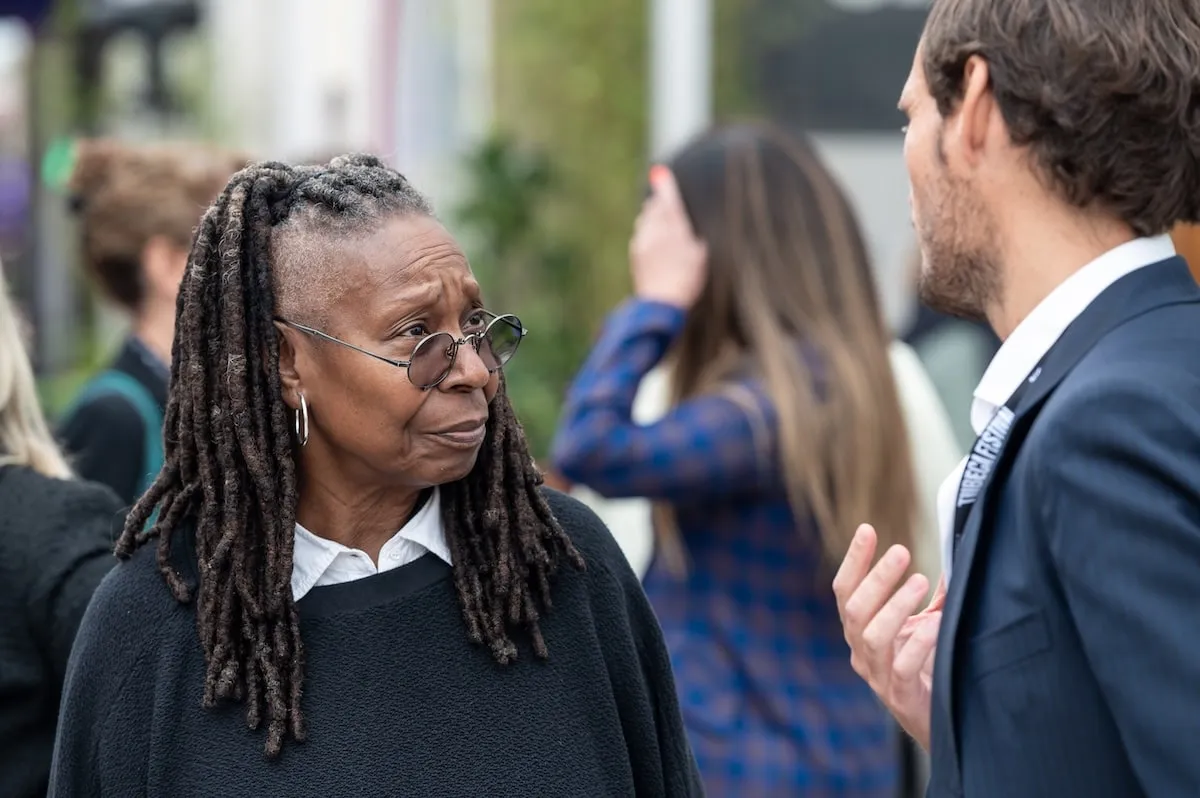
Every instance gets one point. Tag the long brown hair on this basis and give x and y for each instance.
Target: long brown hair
(789, 273)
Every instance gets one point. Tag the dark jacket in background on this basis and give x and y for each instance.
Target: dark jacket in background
(928, 321)
(105, 436)
(56, 539)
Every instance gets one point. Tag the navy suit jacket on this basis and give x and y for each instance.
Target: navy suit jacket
(1068, 660)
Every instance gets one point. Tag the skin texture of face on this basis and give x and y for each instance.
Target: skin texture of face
(370, 428)
(960, 272)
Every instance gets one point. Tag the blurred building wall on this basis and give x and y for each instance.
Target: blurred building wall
(835, 69)
(443, 101)
(294, 78)
(409, 80)
(870, 167)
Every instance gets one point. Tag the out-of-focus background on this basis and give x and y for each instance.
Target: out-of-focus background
(530, 123)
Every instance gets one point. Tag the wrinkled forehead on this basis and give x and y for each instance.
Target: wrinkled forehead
(410, 259)
(405, 260)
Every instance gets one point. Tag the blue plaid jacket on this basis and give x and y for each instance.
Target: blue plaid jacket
(770, 701)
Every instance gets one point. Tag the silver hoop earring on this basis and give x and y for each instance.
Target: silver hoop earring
(302, 422)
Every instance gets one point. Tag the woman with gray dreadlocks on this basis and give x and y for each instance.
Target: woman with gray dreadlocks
(336, 378)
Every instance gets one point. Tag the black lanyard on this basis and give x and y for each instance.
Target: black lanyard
(984, 453)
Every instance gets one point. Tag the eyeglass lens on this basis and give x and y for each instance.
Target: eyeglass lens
(434, 357)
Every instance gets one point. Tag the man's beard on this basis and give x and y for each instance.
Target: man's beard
(960, 274)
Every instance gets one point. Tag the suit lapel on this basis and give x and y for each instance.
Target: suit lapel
(1165, 283)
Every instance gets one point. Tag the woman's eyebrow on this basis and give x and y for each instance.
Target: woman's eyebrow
(411, 299)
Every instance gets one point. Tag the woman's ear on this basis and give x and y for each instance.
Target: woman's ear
(289, 374)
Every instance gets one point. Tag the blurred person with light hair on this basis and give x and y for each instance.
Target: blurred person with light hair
(137, 205)
(56, 538)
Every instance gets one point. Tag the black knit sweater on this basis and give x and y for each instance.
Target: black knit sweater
(56, 539)
(398, 701)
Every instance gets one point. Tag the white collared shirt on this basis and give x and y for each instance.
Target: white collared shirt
(1029, 343)
(318, 561)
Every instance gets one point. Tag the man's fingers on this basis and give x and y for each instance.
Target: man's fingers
(855, 566)
(874, 591)
(915, 654)
(879, 636)
(939, 596)
(926, 673)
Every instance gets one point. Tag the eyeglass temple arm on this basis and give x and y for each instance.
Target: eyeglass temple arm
(340, 342)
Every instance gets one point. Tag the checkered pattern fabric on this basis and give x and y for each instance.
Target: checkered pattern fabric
(770, 701)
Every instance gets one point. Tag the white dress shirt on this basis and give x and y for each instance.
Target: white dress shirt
(318, 561)
(1030, 342)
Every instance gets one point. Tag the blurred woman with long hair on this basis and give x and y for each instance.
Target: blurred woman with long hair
(752, 284)
(56, 538)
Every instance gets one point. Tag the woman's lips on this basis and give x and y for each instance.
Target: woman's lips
(464, 436)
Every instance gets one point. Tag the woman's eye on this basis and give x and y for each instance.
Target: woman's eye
(415, 331)
(476, 321)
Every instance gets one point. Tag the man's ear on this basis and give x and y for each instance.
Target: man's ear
(289, 375)
(975, 113)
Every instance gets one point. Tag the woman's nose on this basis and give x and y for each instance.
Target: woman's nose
(469, 372)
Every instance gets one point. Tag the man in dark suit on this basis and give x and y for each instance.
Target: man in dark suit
(1051, 145)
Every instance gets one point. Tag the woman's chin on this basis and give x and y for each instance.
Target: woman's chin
(455, 468)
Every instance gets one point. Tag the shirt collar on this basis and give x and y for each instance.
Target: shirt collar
(1039, 331)
(313, 554)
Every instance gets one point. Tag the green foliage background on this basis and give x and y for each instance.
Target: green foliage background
(555, 191)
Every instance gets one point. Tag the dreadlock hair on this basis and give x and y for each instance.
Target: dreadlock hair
(229, 464)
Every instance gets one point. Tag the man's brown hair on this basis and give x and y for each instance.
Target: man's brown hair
(1105, 93)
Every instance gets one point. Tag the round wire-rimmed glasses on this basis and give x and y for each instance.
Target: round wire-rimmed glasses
(434, 356)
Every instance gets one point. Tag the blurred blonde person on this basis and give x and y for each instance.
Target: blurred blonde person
(56, 539)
